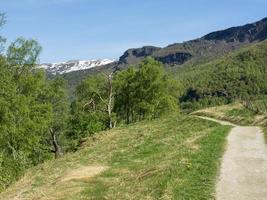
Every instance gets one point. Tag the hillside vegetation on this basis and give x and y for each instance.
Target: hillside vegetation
(39, 122)
(175, 157)
(240, 75)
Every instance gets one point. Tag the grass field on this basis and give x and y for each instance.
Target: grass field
(176, 157)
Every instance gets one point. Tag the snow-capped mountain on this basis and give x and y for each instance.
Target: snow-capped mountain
(74, 65)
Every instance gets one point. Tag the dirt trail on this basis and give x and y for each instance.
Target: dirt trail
(243, 173)
(219, 121)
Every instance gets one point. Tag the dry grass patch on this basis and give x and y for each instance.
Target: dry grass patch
(83, 173)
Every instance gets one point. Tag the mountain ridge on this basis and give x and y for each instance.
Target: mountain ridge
(249, 32)
(214, 43)
(177, 55)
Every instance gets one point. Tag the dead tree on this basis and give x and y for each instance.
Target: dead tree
(107, 101)
(57, 149)
(110, 100)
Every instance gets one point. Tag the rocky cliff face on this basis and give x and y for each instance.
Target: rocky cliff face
(175, 58)
(130, 56)
(249, 33)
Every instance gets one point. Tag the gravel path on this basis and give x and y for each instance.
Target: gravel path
(243, 174)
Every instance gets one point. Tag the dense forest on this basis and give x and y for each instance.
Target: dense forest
(38, 121)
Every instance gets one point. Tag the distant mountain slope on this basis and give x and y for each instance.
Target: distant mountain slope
(239, 75)
(75, 77)
(249, 33)
(178, 55)
(215, 43)
(74, 65)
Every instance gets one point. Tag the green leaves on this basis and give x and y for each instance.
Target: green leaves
(25, 114)
(140, 94)
(22, 55)
(143, 93)
(89, 110)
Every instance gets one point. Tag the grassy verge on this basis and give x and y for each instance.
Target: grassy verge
(234, 113)
(170, 158)
(238, 114)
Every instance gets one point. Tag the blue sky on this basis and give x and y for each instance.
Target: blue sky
(88, 29)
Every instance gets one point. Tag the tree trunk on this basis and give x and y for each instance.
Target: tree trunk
(127, 115)
(110, 77)
(57, 149)
(265, 105)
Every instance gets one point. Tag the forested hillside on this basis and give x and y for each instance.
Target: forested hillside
(237, 76)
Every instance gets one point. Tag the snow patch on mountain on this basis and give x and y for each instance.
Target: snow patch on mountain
(74, 65)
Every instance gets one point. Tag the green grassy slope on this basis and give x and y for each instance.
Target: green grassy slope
(237, 113)
(176, 157)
